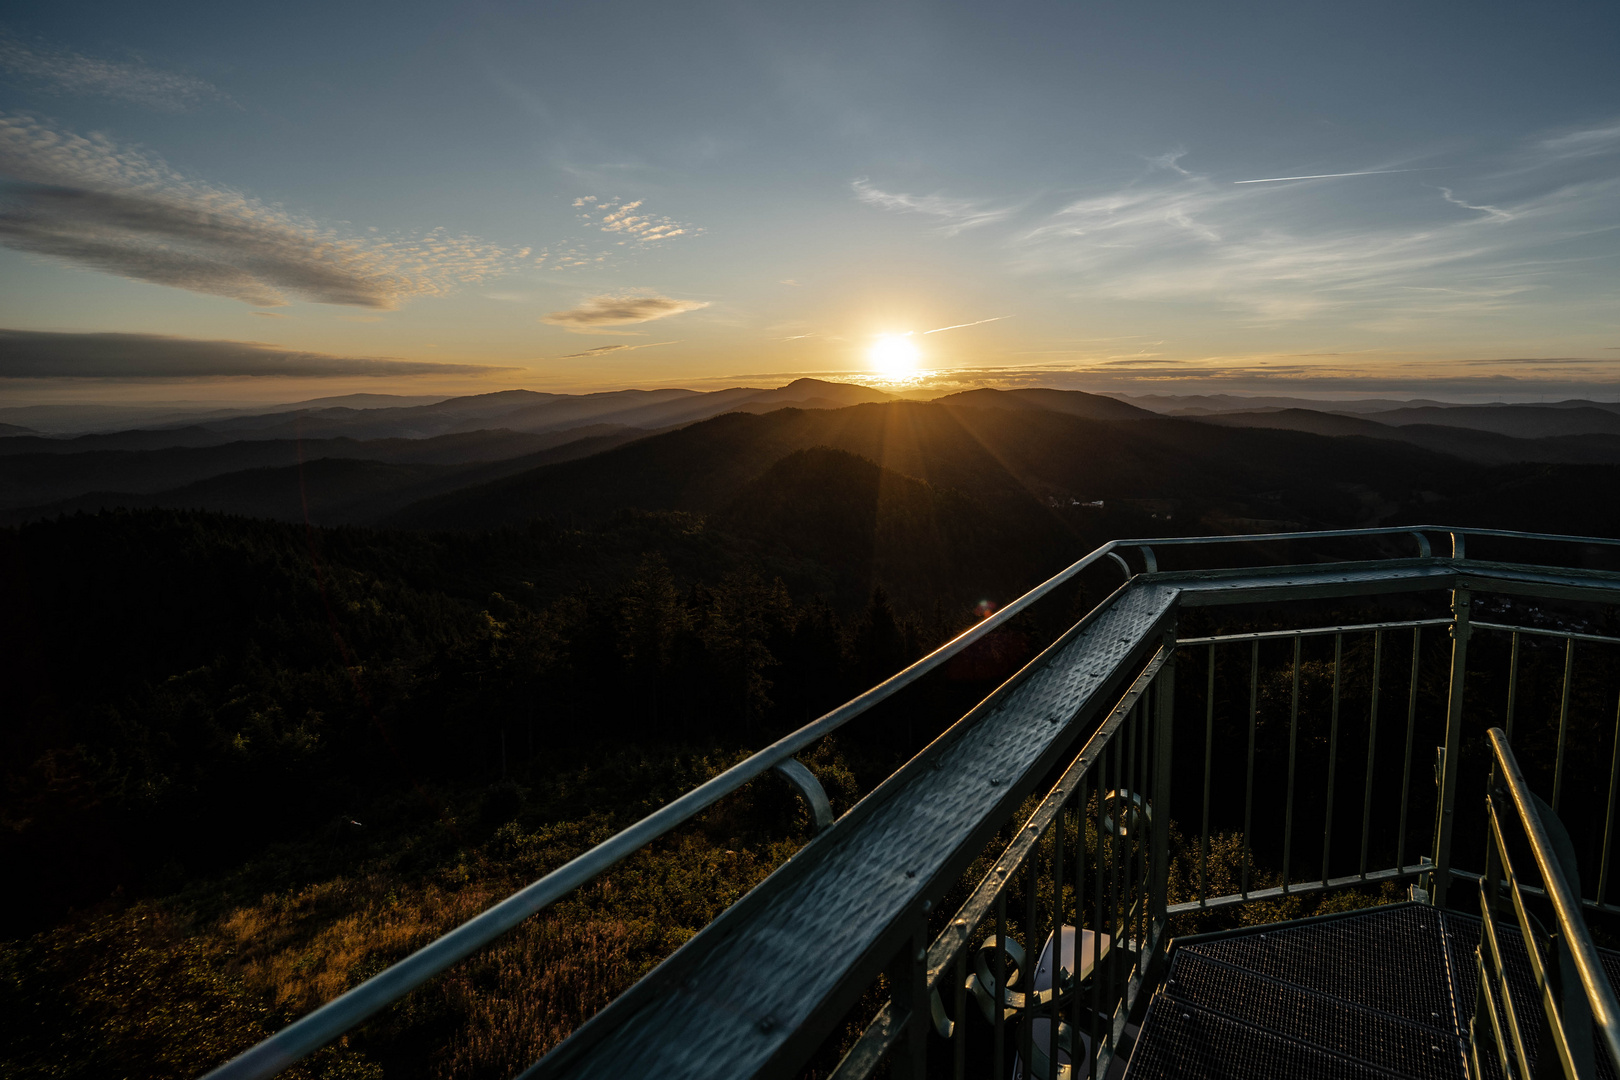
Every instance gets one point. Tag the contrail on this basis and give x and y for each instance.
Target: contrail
(959, 325)
(603, 350)
(1326, 176)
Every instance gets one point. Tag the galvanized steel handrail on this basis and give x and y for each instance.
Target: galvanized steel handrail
(1382, 530)
(319, 1027)
(1566, 905)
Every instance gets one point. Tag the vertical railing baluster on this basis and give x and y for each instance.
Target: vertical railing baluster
(1000, 1024)
(1127, 834)
(1513, 684)
(1372, 749)
(1333, 756)
(1411, 727)
(1446, 805)
(1563, 723)
(1164, 728)
(1116, 891)
(1099, 926)
(1032, 957)
(1057, 938)
(1145, 876)
(1079, 923)
(1293, 745)
(1209, 750)
(1608, 817)
(959, 1032)
(908, 997)
(1248, 783)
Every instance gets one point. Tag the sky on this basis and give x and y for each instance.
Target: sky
(234, 203)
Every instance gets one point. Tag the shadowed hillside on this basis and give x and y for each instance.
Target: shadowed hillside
(1466, 442)
(841, 524)
(1006, 459)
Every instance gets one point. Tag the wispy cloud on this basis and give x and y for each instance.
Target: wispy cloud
(92, 202)
(31, 354)
(1584, 142)
(603, 350)
(961, 325)
(59, 71)
(1391, 260)
(1169, 160)
(607, 310)
(627, 220)
(1497, 215)
(954, 215)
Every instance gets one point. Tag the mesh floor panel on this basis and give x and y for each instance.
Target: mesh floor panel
(1188, 1041)
(1377, 1038)
(1387, 992)
(1391, 959)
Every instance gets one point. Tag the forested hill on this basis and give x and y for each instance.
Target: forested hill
(1004, 458)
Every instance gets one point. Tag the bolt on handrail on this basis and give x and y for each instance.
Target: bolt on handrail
(1565, 902)
(314, 1030)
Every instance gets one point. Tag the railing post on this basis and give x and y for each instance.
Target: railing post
(1447, 802)
(1164, 719)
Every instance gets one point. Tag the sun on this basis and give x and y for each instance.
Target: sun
(893, 356)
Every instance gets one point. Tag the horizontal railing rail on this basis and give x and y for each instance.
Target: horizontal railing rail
(356, 1005)
(1572, 990)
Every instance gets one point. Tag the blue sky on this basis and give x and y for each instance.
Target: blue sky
(590, 196)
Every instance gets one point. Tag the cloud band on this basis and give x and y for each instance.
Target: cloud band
(33, 354)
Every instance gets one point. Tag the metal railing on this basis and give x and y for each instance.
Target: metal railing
(1112, 801)
(1571, 991)
(1290, 884)
(1091, 865)
(1386, 786)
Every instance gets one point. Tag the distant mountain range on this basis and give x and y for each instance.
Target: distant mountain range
(1032, 456)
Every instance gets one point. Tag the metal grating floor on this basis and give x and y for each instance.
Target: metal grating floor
(1386, 992)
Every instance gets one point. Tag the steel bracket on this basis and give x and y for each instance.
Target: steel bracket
(810, 789)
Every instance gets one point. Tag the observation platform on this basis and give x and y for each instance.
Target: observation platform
(1098, 736)
(1386, 992)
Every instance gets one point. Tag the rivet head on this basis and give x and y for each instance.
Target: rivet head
(994, 780)
(911, 873)
(766, 1023)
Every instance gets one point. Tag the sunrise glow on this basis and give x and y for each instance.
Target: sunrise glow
(893, 356)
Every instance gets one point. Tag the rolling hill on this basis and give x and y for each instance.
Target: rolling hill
(1470, 444)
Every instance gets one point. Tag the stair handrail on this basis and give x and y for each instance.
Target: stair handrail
(1566, 904)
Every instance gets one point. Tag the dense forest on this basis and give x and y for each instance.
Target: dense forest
(248, 762)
